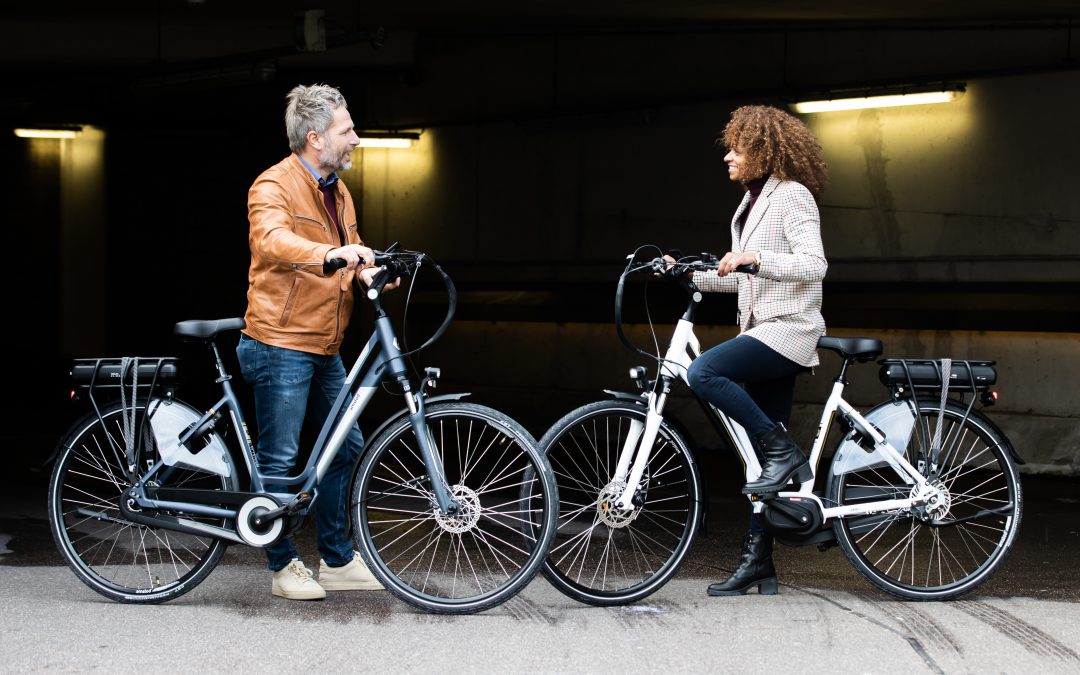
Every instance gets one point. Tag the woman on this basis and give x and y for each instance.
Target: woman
(777, 229)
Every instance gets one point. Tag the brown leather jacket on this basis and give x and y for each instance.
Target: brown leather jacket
(291, 303)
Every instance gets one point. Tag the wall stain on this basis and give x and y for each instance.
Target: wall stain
(869, 136)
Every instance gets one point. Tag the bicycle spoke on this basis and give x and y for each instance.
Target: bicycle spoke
(933, 551)
(486, 548)
(602, 554)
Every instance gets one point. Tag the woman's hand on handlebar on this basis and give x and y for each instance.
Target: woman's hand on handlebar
(354, 256)
(731, 260)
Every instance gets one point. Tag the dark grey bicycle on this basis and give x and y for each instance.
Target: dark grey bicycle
(453, 507)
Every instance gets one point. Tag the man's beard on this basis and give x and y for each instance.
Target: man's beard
(332, 161)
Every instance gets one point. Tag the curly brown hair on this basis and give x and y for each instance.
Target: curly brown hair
(777, 143)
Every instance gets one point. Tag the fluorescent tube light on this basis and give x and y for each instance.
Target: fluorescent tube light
(879, 100)
(387, 139)
(46, 133)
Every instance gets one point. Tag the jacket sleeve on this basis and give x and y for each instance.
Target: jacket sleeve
(711, 282)
(273, 230)
(802, 230)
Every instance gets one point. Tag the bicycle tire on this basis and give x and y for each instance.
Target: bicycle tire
(125, 561)
(640, 553)
(905, 555)
(496, 544)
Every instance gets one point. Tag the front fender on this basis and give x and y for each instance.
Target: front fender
(639, 399)
(404, 412)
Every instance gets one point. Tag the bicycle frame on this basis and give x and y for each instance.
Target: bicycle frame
(682, 349)
(380, 358)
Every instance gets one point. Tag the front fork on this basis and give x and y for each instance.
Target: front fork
(415, 402)
(675, 364)
(641, 437)
(432, 461)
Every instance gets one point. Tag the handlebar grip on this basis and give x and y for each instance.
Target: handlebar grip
(752, 268)
(334, 264)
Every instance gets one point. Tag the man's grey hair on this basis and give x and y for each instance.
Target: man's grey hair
(310, 108)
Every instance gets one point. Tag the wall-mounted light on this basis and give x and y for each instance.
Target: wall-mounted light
(387, 139)
(51, 132)
(853, 99)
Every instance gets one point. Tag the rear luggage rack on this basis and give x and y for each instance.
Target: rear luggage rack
(147, 374)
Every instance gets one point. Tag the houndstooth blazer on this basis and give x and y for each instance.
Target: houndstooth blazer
(781, 305)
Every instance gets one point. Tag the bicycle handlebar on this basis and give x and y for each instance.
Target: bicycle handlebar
(334, 264)
(682, 267)
(401, 263)
(679, 272)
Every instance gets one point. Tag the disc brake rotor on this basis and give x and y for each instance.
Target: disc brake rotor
(468, 513)
(608, 512)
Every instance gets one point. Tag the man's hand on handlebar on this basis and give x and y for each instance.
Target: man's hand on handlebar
(669, 268)
(368, 276)
(354, 256)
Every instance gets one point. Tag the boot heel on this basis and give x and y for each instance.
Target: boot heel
(768, 587)
(804, 473)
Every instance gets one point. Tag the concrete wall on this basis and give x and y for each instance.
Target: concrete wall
(549, 157)
(539, 371)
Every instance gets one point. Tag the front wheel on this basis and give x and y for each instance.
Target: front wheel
(934, 552)
(125, 561)
(486, 552)
(602, 555)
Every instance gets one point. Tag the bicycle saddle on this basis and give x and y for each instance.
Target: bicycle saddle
(860, 349)
(206, 329)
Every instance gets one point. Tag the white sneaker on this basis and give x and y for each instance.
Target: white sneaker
(354, 576)
(295, 582)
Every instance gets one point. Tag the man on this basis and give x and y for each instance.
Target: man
(301, 215)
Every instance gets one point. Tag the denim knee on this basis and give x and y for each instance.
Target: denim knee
(696, 378)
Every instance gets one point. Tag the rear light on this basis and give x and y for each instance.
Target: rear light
(989, 397)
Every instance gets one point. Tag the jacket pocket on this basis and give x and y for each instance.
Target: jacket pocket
(290, 302)
(309, 228)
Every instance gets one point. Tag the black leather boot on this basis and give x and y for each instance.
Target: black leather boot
(755, 568)
(783, 460)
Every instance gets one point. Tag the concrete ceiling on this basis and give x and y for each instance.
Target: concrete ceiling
(138, 33)
(76, 58)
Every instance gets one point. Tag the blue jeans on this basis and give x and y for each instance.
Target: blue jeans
(290, 385)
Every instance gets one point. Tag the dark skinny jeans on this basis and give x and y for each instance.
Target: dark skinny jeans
(770, 386)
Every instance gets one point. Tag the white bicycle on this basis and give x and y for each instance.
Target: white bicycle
(922, 494)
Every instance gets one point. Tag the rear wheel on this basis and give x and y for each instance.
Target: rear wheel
(122, 560)
(482, 555)
(939, 551)
(603, 556)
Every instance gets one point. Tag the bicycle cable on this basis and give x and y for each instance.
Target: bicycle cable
(410, 263)
(682, 266)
